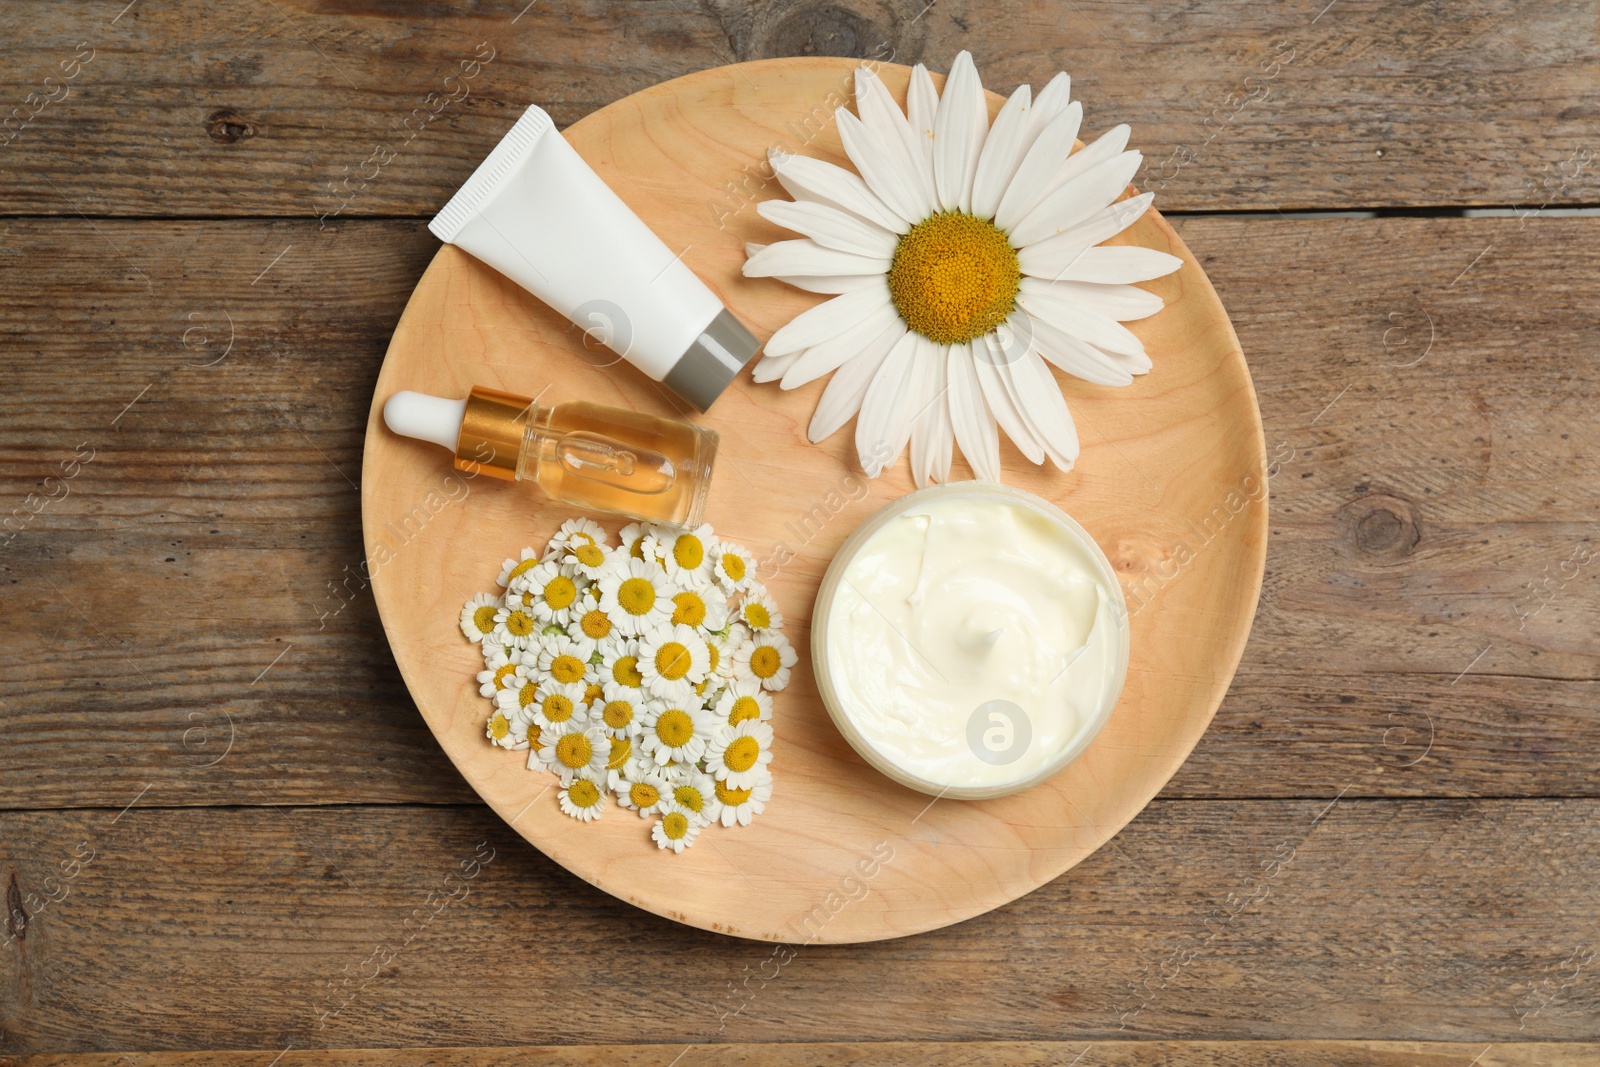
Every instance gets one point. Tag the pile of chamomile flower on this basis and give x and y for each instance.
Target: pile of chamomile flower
(641, 672)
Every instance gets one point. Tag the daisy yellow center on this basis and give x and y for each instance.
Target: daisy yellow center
(734, 566)
(592, 692)
(714, 656)
(765, 661)
(688, 552)
(741, 754)
(525, 695)
(954, 277)
(499, 726)
(636, 596)
(617, 714)
(672, 661)
(574, 750)
(626, 671)
(690, 609)
(501, 672)
(533, 734)
(590, 555)
(689, 797)
(567, 668)
(522, 568)
(595, 624)
(643, 794)
(636, 550)
(675, 826)
(519, 624)
(621, 751)
(731, 796)
(743, 708)
(675, 728)
(557, 707)
(583, 793)
(560, 592)
(483, 618)
(757, 615)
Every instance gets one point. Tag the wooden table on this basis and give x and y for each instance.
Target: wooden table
(225, 831)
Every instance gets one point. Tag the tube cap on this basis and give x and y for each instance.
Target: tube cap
(712, 361)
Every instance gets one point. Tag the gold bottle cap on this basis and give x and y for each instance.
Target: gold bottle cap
(493, 427)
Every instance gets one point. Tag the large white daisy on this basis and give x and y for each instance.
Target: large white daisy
(962, 258)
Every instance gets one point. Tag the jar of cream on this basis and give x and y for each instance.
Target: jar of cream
(970, 640)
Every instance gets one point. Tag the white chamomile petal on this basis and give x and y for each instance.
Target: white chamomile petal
(583, 798)
(884, 425)
(579, 531)
(1108, 145)
(1078, 199)
(497, 667)
(1002, 153)
(1053, 257)
(985, 362)
(1039, 399)
(1042, 300)
(1076, 357)
(932, 434)
(827, 356)
(825, 183)
(829, 227)
(805, 257)
(739, 754)
(1115, 265)
(676, 829)
(972, 422)
(515, 626)
(831, 285)
(1125, 303)
(741, 701)
(1052, 100)
(885, 167)
(958, 134)
(526, 561)
(771, 368)
(693, 790)
(848, 386)
(760, 612)
(1040, 163)
(887, 125)
(572, 748)
(641, 790)
(922, 107)
(828, 319)
(739, 806)
(477, 618)
(549, 591)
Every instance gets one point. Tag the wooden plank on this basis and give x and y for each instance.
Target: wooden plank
(888, 1054)
(299, 109)
(1412, 507)
(189, 929)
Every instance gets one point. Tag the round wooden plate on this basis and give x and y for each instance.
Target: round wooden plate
(1171, 483)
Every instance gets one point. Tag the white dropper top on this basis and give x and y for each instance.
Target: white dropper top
(427, 418)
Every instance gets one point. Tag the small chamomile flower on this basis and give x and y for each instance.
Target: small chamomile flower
(739, 754)
(704, 608)
(743, 701)
(562, 658)
(571, 749)
(619, 710)
(519, 689)
(477, 618)
(590, 625)
(637, 595)
(686, 556)
(515, 627)
(556, 703)
(499, 663)
(739, 806)
(631, 541)
(675, 731)
(549, 591)
(515, 568)
(693, 790)
(619, 661)
(733, 568)
(641, 790)
(577, 532)
(766, 659)
(759, 612)
(583, 798)
(619, 760)
(676, 828)
(521, 719)
(719, 660)
(498, 729)
(672, 659)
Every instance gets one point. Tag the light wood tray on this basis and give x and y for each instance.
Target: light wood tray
(1171, 483)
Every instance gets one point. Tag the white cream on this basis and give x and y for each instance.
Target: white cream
(975, 640)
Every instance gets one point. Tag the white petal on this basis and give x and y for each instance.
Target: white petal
(958, 134)
(824, 183)
(826, 356)
(829, 227)
(932, 436)
(771, 368)
(829, 283)
(1113, 264)
(1076, 357)
(884, 168)
(985, 361)
(1002, 153)
(887, 124)
(885, 419)
(972, 423)
(1051, 101)
(1077, 200)
(848, 386)
(1125, 303)
(805, 256)
(1042, 301)
(751, 248)
(1055, 257)
(1038, 395)
(1038, 167)
(1108, 145)
(828, 319)
(922, 104)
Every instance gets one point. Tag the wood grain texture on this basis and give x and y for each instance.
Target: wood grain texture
(301, 109)
(1191, 435)
(1457, 921)
(888, 1054)
(1485, 462)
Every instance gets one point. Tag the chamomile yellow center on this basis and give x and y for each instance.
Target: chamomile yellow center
(568, 668)
(757, 615)
(626, 671)
(714, 657)
(499, 726)
(954, 277)
(765, 661)
(675, 826)
(526, 694)
(731, 796)
(621, 752)
(643, 794)
(483, 618)
(519, 624)
(741, 754)
(672, 661)
(560, 592)
(617, 713)
(590, 555)
(733, 565)
(583, 793)
(557, 707)
(592, 692)
(522, 568)
(533, 734)
(688, 551)
(500, 673)
(744, 708)
(689, 609)
(689, 797)
(574, 751)
(595, 624)
(675, 728)
(636, 550)
(636, 596)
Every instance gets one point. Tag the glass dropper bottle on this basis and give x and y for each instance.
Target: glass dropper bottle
(591, 455)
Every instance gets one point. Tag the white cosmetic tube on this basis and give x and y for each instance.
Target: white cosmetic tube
(537, 213)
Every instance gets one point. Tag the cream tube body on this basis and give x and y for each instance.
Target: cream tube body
(537, 213)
